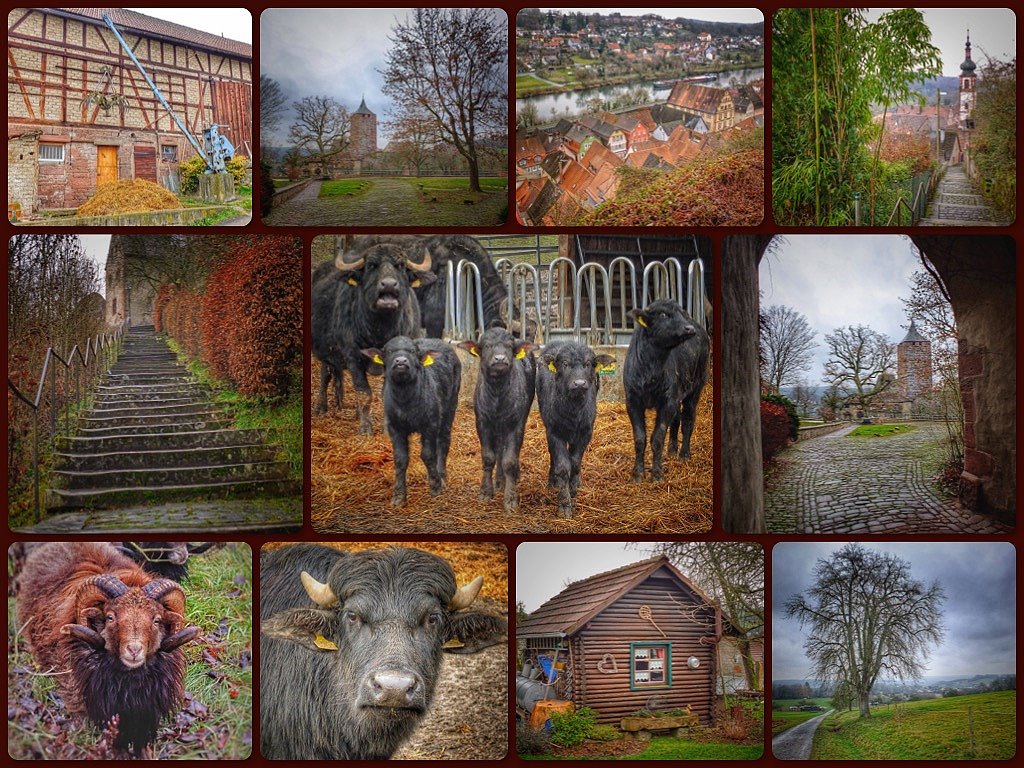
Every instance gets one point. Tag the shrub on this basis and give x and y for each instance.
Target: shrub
(238, 167)
(189, 173)
(775, 429)
(603, 733)
(531, 742)
(570, 728)
(790, 406)
(266, 188)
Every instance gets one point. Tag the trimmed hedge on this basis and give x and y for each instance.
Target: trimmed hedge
(790, 406)
(774, 429)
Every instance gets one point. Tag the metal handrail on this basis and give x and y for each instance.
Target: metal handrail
(99, 353)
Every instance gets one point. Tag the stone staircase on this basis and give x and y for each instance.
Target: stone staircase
(153, 437)
(957, 204)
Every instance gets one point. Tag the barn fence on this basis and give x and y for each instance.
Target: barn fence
(589, 302)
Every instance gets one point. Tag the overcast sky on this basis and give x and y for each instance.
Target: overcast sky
(841, 280)
(993, 32)
(979, 611)
(543, 568)
(328, 52)
(743, 15)
(232, 23)
(96, 247)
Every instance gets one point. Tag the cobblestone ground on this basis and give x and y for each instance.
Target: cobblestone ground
(845, 485)
(387, 202)
(957, 204)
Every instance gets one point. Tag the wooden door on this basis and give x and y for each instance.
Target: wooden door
(106, 165)
(145, 163)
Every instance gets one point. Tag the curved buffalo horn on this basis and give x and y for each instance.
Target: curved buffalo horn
(178, 639)
(422, 266)
(346, 261)
(466, 594)
(84, 633)
(110, 586)
(321, 594)
(157, 588)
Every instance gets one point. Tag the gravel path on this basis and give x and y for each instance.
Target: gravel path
(845, 485)
(795, 743)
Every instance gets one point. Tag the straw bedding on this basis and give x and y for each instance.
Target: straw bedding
(352, 477)
(128, 196)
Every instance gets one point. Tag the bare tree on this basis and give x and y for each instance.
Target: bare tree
(413, 137)
(732, 573)
(321, 129)
(804, 397)
(866, 616)
(861, 363)
(272, 106)
(452, 64)
(787, 342)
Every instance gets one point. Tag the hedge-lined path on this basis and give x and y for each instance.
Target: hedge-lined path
(837, 484)
(956, 203)
(152, 437)
(387, 201)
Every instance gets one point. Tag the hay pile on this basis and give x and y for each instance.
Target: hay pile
(128, 196)
(352, 478)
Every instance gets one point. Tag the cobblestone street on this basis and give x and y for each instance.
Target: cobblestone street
(388, 201)
(844, 485)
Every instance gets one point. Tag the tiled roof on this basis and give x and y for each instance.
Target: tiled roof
(132, 21)
(700, 98)
(574, 606)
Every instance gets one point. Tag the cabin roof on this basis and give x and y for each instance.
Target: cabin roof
(568, 611)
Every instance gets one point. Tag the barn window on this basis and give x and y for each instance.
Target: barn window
(169, 153)
(51, 153)
(650, 666)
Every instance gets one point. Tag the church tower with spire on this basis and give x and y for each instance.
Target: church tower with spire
(363, 142)
(968, 83)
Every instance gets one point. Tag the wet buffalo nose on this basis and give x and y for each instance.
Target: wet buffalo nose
(500, 358)
(388, 283)
(394, 688)
(401, 362)
(579, 384)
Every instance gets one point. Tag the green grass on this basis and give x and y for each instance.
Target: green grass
(783, 721)
(215, 722)
(880, 430)
(283, 418)
(278, 183)
(669, 748)
(811, 422)
(344, 188)
(526, 83)
(935, 729)
(488, 183)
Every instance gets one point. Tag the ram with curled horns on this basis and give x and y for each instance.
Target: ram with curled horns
(351, 647)
(362, 299)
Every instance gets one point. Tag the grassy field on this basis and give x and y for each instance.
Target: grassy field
(880, 430)
(458, 183)
(215, 721)
(526, 83)
(783, 719)
(447, 201)
(668, 748)
(344, 188)
(936, 729)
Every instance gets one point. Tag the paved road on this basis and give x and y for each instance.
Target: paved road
(387, 202)
(846, 485)
(795, 744)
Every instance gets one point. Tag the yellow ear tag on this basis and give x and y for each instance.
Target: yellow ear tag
(473, 352)
(416, 283)
(640, 320)
(377, 359)
(428, 360)
(454, 643)
(322, 642)
(606, 368)
(353, 281)
(551, 367)
(520, 354)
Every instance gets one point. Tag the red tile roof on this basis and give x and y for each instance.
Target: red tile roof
(132, 21)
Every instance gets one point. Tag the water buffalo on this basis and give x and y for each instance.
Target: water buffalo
(352, 644)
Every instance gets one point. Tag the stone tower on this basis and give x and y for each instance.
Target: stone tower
(914, 364)
(363, 142)
(968, 83)
(126, 298)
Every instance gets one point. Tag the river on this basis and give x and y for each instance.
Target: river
(555, 105)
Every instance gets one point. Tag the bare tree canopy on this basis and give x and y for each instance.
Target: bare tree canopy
(321, 129)
(452, 64)
(413, 136)
(787, 342)
(805, 398)
(272, 105)
(867, 617)
(861, 363)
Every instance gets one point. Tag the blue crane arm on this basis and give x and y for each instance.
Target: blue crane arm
(156, 91)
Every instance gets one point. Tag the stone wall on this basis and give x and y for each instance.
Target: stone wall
(22, 171)
(806, 433)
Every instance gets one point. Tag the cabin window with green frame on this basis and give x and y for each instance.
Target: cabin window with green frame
(650, 665)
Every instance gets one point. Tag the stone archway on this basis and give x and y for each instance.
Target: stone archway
(979, 273)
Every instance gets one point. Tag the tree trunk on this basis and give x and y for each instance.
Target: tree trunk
(865, 703)
(742, 473)
(474, 175)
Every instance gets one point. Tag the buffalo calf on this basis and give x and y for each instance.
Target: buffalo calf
(501, 403)
(567, 385)
(421, 392)
(666, 369)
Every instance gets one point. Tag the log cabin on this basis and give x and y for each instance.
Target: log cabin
(79, 113)
(642, 636)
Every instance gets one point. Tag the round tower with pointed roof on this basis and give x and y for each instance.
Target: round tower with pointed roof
(363, 142)
(914, 364)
